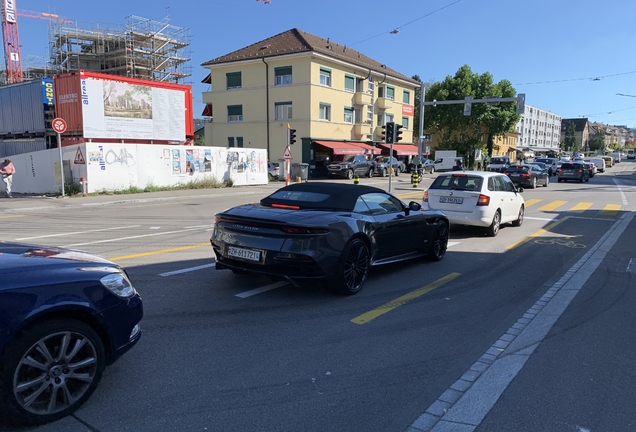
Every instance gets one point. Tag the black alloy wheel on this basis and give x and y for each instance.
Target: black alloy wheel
(353, 268)
(440, 242)
(50, 370)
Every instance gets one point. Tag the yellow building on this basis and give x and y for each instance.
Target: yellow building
(336, 98)
(504, 145)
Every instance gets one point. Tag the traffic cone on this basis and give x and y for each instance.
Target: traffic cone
(356, 180)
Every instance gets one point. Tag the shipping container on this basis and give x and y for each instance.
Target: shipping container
(101, 106)
(26, 108)
(19, 146)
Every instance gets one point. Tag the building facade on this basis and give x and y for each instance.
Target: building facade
(539, 130)
(582, 131)
(336, 99)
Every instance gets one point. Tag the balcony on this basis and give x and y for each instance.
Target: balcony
(385, 103)
(361, 98)
(361, 129)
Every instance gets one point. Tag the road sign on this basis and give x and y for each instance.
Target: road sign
(287, 154)
(59, 125)
(79, 157)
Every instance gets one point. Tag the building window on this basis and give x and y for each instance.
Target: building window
(406, 97)
(283, 110)
(388, 118)
(233, 80)
(283, 75)
(348, 115)
(390, 92)
(235, 113)
(325, 77)
(370, 114)
(380, 91)
(239, 141)
(325, 111)
(405, 122)
(370, 86)
(350, 83)
(230, 141)
(358, 115)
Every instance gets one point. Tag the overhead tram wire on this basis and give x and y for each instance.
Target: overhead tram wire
(396, 29)
(597, 78)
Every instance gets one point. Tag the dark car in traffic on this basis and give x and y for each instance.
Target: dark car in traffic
(528, 175)
(64, 316)
(550, 162)
(576, 171)
(326, 232)
(424, 164)
(350, 166)
(384, 163)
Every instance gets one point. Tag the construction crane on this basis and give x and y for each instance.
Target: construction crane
(11, 40)
(11, 37)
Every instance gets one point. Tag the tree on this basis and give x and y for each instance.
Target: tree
(597, 141)
(569, 143)
(466, 133)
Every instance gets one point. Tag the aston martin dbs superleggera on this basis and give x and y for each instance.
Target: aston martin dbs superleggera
(326, 231)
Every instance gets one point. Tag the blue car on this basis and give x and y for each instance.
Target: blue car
(64, 316)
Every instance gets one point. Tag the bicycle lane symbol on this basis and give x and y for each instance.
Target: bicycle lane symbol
(567, 242)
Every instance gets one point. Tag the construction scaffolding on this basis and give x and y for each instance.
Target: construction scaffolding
(143, 48)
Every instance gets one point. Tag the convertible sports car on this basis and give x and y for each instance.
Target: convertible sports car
(326, 231)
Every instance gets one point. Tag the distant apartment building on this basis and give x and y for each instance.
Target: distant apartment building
(539, 130)
(337, 99)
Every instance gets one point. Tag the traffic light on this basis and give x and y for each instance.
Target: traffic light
(390, 132)
(397, 134)
(383, 134)
(291, 136)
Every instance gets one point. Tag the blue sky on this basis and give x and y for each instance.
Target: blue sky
(551, 50)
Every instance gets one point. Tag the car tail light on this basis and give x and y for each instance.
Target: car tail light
(525, 175)
(579, 171)
(425, 198)
(483, 200)
(559, 170)
(303, 230)
(286, 206)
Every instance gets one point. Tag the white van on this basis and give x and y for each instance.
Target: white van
(616, 156)
(447, 163)
(599, 163)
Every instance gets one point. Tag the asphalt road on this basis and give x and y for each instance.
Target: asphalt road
(223, 352)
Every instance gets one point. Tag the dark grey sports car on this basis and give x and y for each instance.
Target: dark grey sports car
(317, 231)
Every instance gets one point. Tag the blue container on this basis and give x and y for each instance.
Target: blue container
(26, 108)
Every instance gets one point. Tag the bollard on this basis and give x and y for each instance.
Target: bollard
(84, 185)
(414, 179)
(356, 180)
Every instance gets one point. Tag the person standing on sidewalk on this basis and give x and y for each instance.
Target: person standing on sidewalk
(6, 171)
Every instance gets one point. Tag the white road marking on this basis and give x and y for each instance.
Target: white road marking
(541, 219)
(450, 243)
(154, 228)
(620, 189)
(250, 293)
(77, 232)
(200, 226)
(187, 270)
(128, 238)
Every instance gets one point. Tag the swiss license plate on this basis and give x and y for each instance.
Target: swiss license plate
(451, 200)
(246, 254)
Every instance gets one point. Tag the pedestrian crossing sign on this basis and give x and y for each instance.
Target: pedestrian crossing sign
(79, 157)
(287, 154)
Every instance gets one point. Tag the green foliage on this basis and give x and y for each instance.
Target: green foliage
(597, 141)
(569, 143)
(467, 133)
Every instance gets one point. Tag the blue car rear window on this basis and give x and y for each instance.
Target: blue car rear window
(304, 196)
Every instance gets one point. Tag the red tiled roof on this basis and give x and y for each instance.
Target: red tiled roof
(297, 41)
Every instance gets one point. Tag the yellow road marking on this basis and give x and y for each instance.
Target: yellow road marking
(412, 194)
(12, 216)
(610, 210)
(537, 234)
(157, 252)
(532, 202)
(388, 307)
(582, 206)
(552, 206)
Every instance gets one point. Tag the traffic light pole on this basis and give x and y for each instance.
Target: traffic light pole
(422, 146)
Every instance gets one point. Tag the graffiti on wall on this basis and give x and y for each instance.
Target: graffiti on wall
(121, 156)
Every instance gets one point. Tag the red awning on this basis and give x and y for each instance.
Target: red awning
(346, 148)
(207, 111)
(402, 149)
